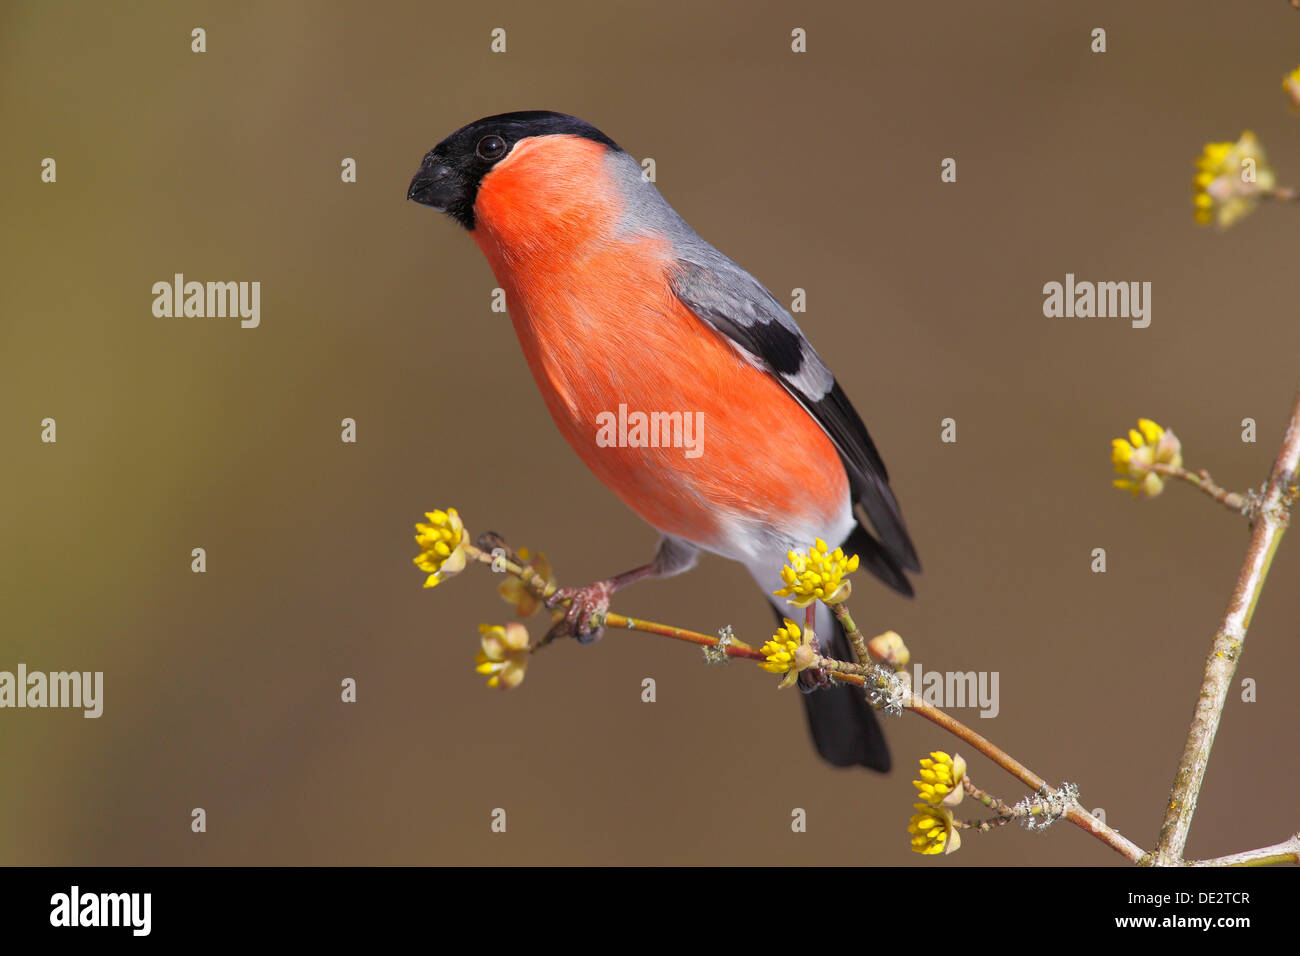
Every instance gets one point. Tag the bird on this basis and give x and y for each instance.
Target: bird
(619, 305)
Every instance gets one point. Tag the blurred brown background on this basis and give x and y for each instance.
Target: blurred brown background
(819, 171)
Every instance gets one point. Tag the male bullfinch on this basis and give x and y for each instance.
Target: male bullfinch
(620, 306)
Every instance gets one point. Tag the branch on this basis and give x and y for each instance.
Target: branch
(1231, 500)
(1288, 851)
(866, 674)
(874, 675)
(1270, 523)
(1075, 813)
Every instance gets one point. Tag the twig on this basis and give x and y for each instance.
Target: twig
(982, 826)
(1270, 523)
(1285, 852)
(1201, 479)
(859, 645)
(1000, 807)
(1288, 851)
(734, 647)
(1076, 814)
(875, 675)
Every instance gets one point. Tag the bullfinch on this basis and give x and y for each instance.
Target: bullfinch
(637, 331)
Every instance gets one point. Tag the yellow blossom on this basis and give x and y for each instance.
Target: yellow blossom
(941, 779)
(442, 546)
(1147, 445)
(504, 655)
(817, 575)
(933, 830)
(1230, 178)
(1291, 84)
(513, 590)
(785, 653)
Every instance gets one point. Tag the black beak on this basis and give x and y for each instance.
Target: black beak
(434, 185)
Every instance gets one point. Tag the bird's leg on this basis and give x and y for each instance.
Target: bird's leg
(816, 678)
(585, 617)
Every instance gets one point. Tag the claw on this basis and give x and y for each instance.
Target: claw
(584, 618)
(814, 678)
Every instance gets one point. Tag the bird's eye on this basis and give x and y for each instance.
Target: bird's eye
(491, 148)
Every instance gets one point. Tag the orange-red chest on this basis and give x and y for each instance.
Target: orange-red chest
(600, 327)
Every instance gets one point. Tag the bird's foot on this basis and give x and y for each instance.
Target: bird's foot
(815, 678)
(584, 619)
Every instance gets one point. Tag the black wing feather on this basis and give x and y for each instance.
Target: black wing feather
(729, 299)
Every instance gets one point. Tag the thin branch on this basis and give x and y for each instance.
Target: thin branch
(982, 826)
(1000, 807)
(1288, 851)
(1270, 523)
(1232, 500)
(1076, 814)
(734, 647)
(860, 674)
(1004, 811)
(860, 653)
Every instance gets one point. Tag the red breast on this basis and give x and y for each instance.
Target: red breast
(600, 325)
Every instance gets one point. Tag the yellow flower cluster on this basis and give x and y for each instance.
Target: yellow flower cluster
(941, 779)
(817, 575)
(933, 830)
(1291, 86)
(785, 653)
(1133, 457)
(515, 592)
(1230, 178)
(441, 541)
(933, 827)
(505, 654)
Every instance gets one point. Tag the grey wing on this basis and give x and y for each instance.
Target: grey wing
(728, 298)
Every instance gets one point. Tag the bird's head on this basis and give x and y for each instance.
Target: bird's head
(526, 178)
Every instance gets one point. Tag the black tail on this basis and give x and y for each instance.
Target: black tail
(874, 558)
(843, 726)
